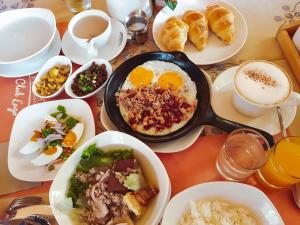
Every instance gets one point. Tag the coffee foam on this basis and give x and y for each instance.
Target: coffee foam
(262, 83)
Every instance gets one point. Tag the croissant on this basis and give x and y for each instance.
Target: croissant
(174, 34)
(221, 22)
(198, 28)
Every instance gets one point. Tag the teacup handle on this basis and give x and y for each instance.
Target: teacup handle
(294, 100)
(92, 51)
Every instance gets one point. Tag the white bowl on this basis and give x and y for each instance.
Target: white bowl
(85, 67)
(236, 193)
(23, 46)
(151, 165)
(54, 61)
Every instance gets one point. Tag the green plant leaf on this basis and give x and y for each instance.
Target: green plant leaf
(171, 4)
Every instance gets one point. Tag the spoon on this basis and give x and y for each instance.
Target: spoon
(283, 131)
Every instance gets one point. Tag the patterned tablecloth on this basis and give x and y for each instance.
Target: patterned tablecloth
(263, 18)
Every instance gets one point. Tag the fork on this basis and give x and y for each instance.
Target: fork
(23, 202)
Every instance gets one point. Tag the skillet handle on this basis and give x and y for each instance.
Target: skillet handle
(180, 56)
(229, 126)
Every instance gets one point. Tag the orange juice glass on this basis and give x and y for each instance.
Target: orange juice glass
(283, 166)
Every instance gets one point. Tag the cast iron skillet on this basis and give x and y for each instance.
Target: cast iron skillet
(204, 114)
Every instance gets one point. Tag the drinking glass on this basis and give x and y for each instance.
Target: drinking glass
(283, 167)
(243, 152)
(76, 6)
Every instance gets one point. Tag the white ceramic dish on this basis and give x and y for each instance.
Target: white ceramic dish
(240, 194)
(31, 118)
(216, 50)
(34, 64)
(222, 90)
(56, 60)
(112, 48)
(25, 45)
(100, 90)
(169, 147)
(151, 165)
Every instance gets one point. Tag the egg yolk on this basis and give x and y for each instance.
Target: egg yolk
(171, 80)
(37, 134)
(70, 139)
(140, 76)
(50, 150)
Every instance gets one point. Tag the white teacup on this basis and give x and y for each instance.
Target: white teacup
(93, 42)
(260, 86)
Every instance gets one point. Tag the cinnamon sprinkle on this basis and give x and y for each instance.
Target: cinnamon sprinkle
(261, 77)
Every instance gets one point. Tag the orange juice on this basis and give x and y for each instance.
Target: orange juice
(283, 166)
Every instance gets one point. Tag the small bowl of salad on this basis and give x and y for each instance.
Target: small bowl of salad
(89, 79)
(113, 178)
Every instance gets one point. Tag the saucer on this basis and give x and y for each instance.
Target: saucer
(221, 101)
(34, 64)
(168, 147)
(114, 47)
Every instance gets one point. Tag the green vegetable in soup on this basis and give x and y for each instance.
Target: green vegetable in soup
(96, 157)
(76, 188)
(86, 164)
(87, 153)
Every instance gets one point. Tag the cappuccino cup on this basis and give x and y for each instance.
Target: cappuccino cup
(260, 86)
(91, 29)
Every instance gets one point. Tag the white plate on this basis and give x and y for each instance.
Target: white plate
(169, 147)
(238, 193)
(31, 118)
(34, 64)
(151, 165)
(114, 47)
(216, 50)
(221, 101)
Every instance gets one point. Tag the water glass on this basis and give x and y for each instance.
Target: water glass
(283, 167)
(76, 6)
(244, 151)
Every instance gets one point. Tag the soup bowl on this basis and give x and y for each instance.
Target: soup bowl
(152, 168)
(36, 29)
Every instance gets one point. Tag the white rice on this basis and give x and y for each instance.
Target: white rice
(216, 212)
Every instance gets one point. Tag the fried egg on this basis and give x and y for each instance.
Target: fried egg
(73, 136)
(164, 74)
(49, 155)
(138, 77)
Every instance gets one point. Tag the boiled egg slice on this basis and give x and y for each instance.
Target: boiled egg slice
(73, 135)
(49, 155)
(33, 145)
